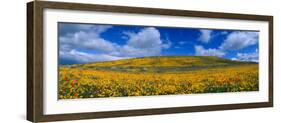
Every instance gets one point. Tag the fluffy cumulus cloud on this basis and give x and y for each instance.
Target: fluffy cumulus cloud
(88, 40)
(146, 42)
(233, 41)
(201, 51)
(238, 40)
(253, 57)
(205, 35)
(70, 28)
(75, 56)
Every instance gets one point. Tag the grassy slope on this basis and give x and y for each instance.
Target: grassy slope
(162, 64)
(157, 76)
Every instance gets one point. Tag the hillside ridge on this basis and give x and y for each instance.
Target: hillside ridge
(162, 64)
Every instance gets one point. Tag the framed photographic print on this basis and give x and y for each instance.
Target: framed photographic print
(97, 61)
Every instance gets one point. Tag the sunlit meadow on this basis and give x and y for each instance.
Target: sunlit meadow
(102, 60)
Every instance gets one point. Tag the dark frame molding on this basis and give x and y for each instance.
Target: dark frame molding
(35, 60)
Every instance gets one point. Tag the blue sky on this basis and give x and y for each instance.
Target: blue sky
(83, 43)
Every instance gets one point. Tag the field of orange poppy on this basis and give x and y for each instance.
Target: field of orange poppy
(156, 76)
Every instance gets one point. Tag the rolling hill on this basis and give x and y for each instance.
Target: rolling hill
(163, 75)
(162, 64)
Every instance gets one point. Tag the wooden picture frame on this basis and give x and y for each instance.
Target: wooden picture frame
(35, 61)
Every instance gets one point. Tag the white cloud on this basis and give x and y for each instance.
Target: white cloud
(253, 57)
(96, 28)
(205, 35)
(87, 37)
(88, 40)
(146, 38)
(166, 45)
(146, 42)
(82, 57)
(70, 28)
(234, 41)
(238, 40)
(201, 51)
(92, 28)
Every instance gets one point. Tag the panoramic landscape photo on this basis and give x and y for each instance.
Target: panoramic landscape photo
(98, 60)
